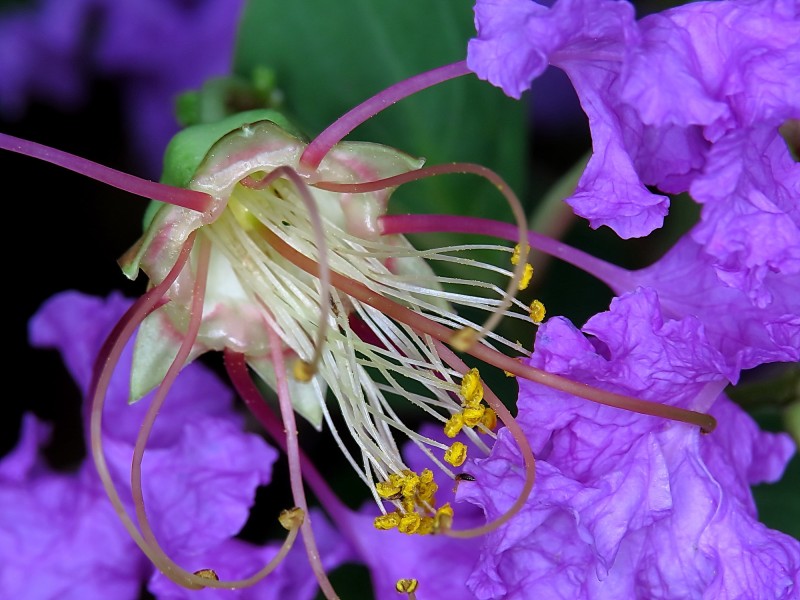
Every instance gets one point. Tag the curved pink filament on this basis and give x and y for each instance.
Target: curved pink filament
(314, 153)
(236, 366)
(617, 278)
(106, 363)
(293, 455)
(519, 436)
(490, 355)
(322, 249)
(451, 168)
(191, 199)
(189, 339)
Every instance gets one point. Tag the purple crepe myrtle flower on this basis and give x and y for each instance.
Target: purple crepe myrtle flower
(672, 107)
(155, 49)
(200, 479)
(278, 253)
(625, 505)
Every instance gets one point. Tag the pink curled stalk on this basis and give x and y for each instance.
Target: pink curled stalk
(464, 339)
(519, 436)
(191, 199)
(322, 251)
(489, 355)
(106, 363)
(314, 153)
(293, 455)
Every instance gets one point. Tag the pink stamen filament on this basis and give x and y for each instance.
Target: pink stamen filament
(488, 355)
(293, 456)
(618, 279)
(464, 168)
(193, 328)
(519, 436)
(322, 249)
(335, 132)
(193, 200)
(106, 363)
(236, 366)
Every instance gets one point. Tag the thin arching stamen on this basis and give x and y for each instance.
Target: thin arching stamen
(462, 340)
(310, 367)
(185, 198)
(488, 355)
(519, 436)
(236, 366)
(321, 145)
(293, 456)
(193, 327)
(107, 361)
(618, 279)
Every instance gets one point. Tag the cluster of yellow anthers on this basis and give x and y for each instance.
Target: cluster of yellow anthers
(474, 413)
(415, 495)
(537, 311)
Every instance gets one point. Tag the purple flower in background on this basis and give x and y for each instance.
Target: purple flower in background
(200, 475)
(672, 106)
(157, 49)
(627, 506)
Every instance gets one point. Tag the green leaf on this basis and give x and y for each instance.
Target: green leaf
(331, 56)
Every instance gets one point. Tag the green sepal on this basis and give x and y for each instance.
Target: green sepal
(157, 344)
(187, 149)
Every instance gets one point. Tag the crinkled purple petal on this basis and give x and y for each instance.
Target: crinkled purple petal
(199, 490)
(746, 335)
(77, 324)
(719, 65)
(751, 215)
(235, 559)
(626, 505)
(59, 535)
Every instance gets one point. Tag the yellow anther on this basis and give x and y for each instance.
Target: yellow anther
(509, 374)
(426, 526)
(387, 489)
(454, 425)
(537, 311)
(472, 388)
(410, 485)
(303, 371)
(386, 522)
(489, 419)
(426, 491)
(291, 518)
(527, 275)
(515, 255)
(426, 476)
(456, 454)
(463, 339)
(406, 586)
(473, 415)
(409, 523)
(443, 518)
(209, 574)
